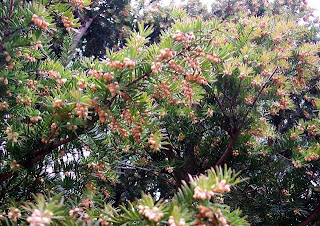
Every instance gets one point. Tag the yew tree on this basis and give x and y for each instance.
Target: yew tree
(92, 137)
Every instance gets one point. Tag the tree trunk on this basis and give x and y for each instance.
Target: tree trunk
(81, 32)
(189, 166)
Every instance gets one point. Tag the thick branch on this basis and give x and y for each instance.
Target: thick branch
(315, 213)
(82, 31)
(228, 150)
(41, 153)
(85, 26)
(45, 151)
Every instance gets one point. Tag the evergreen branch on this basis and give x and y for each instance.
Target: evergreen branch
(67, 50)
(6, 26)
(41, 153)
(18, 29)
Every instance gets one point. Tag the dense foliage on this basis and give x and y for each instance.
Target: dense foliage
(140, 135)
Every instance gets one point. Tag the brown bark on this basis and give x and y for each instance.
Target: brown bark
(314, 214)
